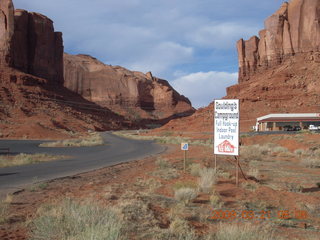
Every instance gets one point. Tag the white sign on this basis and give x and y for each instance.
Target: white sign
(226, 127)
(184, 146)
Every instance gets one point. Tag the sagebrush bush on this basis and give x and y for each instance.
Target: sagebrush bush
(3, 211)
(254, 172)
(208, 177)
(215, 200)
(163, 163)
(71, 220)
(185, 195)
(94, 139)
(24, 159)
(195, 169)
(254, 152)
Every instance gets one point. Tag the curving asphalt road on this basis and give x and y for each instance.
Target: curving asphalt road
(116, 150)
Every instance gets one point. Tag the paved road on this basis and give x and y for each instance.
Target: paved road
(116, 150)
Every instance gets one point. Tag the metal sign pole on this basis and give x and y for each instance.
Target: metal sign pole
(184, 161)
(237, 172)
(215, 162)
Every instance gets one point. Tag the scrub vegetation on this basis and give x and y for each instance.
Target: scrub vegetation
(94, 139)
(24, 159)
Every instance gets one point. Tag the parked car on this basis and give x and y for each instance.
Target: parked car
(313, 127)
(287, 128)
(296, 128)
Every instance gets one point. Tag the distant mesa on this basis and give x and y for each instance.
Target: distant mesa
(122, 90)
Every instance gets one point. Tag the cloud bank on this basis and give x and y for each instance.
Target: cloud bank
(203, 87)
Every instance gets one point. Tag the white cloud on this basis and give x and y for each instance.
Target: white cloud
(221, 35)
(203, 87)
(163, 56)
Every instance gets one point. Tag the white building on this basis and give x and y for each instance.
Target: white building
(276, 122)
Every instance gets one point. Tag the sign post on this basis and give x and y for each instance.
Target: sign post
(184, 148)
(226, 129)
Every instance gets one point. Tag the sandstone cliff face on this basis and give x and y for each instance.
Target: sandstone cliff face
(28, 43)
(292, 30)
(6, 30)
(122, 90)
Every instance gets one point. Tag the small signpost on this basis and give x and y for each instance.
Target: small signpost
(226, 130)
(184, 148)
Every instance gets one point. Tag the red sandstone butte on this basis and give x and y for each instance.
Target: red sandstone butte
(121, 90)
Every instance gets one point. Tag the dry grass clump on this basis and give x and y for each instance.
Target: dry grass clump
(24, 159)
(167, 174)
(208, 177)
(149, 184)
(163, 163)
(215, 200)
(252, 186)
(254, 152)
(246, 231)
(94, 139)
(3, 211)
(185, 195)
(184, 184)
(254, 172)
(195, 169)
(310, 157)
(279, 149)
(71, 220)
(311, 162)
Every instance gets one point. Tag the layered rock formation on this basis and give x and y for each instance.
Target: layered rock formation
(28, 43)
(279, 72)
(293, 29)
(122, 90)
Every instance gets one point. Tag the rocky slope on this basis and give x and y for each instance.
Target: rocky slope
(30, 107)
(278, 72)
(129, 93)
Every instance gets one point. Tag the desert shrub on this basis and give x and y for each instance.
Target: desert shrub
(293, 187)
(167, 174)
(24, 159)
(150, 184)
(215, 200)
(195, 169)
(3, 211)
(179, 226)
(254, 172)
(311, 162)
(254, 152)
(299, 152)
(71, 220)
(208, 178)
(246, 231)
(184, 184)
(252, 186)
(185, 195)
(279, 149)
(163, 163)
(94, 139)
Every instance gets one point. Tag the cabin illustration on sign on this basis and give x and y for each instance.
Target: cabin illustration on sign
(226, 147)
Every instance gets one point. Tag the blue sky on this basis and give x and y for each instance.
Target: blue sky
(190, 43)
